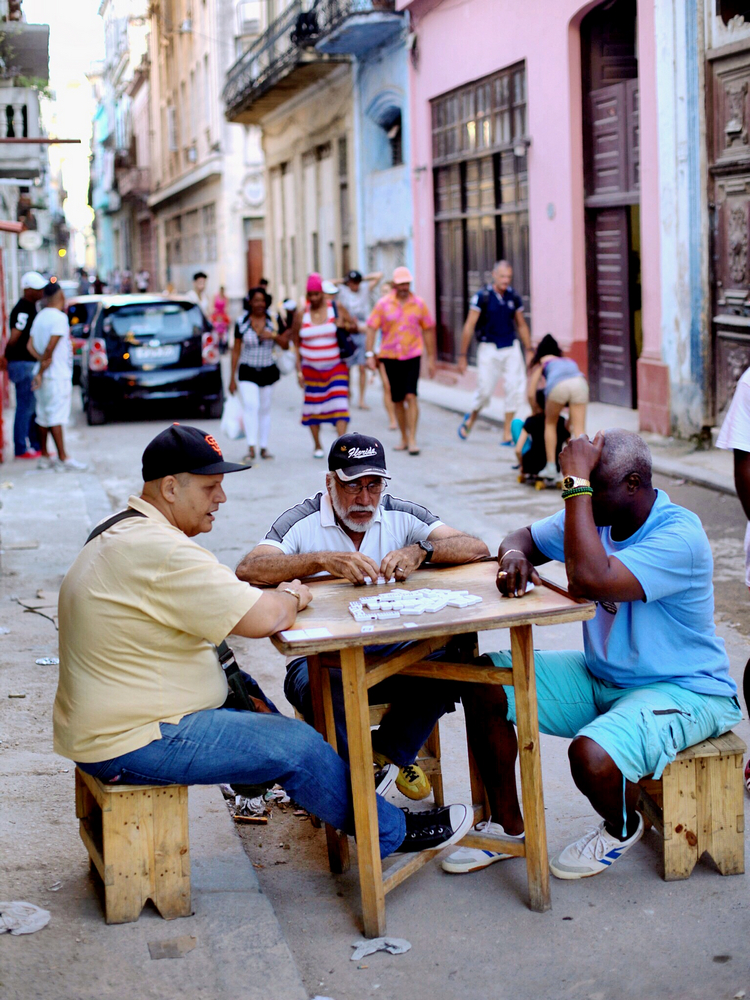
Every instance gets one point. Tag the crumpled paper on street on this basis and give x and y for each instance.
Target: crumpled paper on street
(368, 946)
(22, 918)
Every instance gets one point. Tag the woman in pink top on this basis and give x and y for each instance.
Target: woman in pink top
(321, 372)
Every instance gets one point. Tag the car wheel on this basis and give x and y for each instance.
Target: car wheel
(94, 414)
(214, 408)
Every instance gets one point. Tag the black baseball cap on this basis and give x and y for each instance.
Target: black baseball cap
(355, 455)
(185, 449)
(354, 276)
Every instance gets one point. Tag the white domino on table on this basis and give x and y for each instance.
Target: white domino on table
(393, 604)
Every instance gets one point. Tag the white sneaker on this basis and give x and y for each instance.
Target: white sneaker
(45, 462)
(319, 453)
(593, 853)
(471, 859)
(549, 471)
(71, 465)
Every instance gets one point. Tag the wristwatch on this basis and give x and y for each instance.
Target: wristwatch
(369, 354)
(294, 593)
(428, 548)
(573, 482)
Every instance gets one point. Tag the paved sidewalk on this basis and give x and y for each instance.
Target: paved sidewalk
(240, 950)
(712, 468)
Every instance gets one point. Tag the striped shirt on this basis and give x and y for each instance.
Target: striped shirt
(255, 353)
(319, 347)
(311, 526)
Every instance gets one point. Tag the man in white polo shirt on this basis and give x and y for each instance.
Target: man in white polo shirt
(50, 342)
(352, 530)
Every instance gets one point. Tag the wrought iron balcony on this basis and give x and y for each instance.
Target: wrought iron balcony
(303, 45)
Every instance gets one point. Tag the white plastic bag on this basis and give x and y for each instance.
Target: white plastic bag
(231, 419)
(285, 361)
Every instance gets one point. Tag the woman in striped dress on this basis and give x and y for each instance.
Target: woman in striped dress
(322, 373)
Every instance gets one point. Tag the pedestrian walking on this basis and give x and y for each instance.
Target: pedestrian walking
(735, 435)
(529, 439)
(53, 383)
(220, 318)
(407, 328)
(321, 372)
(21, 364)
(354, 295)
(254, 372)
(496, 317)
(197, 293)
(142, 280)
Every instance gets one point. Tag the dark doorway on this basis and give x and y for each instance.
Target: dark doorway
(612, 181)
(254, 262)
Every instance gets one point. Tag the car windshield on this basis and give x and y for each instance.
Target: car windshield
(165, 320)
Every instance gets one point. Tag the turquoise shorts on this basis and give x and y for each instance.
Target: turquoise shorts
(642, 729)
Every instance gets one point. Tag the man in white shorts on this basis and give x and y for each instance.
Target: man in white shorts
(496, 316)
(53, 383)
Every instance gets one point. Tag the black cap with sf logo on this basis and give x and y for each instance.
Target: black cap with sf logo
(185, 449)
(355, 455)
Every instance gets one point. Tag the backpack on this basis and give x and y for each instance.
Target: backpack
(483, 300)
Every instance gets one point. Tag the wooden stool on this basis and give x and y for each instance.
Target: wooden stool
(137, 839)
(698, 806)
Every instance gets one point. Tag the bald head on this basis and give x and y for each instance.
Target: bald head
(624, 453)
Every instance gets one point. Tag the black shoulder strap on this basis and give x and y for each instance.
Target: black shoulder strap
(111, 521)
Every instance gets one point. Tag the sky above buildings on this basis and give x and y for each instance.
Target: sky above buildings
(76, 40)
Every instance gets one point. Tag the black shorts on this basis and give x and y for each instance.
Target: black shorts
(261, 376)
(402, 376)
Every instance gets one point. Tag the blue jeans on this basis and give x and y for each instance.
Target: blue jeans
(224, 745)
(416, 705)
(24, 427)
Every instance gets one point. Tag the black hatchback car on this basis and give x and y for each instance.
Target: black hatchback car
(147, 347)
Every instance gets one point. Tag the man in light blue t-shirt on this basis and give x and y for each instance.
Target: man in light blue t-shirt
(653, 677)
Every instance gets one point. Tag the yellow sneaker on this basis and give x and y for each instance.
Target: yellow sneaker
(411, 781)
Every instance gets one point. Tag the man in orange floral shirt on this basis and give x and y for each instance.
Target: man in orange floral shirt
(406, 327)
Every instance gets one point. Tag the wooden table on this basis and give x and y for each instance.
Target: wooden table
(344, 646)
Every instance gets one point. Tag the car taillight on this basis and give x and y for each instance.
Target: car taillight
(210, 351)
(98, 360)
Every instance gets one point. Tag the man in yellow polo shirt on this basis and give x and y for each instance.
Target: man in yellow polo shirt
(142, 696)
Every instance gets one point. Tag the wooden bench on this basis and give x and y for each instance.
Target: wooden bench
(137, 840)
(698, 806)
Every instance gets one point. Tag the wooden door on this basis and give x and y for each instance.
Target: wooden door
(611, 349)
(450, 277)
(728, 118)
(254, 262)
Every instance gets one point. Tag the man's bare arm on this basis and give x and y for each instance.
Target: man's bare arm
(523, 329)
(267, 565)
(466, 334)
(274, 611)
(451, 547)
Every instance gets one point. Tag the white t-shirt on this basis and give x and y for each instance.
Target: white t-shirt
(311, 526)
(356, 303)
(51, 323)
(735, 433)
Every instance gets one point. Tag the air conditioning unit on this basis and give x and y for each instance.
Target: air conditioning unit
(249, 26)
(192, 154)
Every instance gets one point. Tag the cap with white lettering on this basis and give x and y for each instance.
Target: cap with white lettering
(355, 455)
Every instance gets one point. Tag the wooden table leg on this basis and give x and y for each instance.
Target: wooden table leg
(527, 725)
(363, 790)
(320, 691)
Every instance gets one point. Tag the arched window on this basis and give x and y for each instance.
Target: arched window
(385, 112)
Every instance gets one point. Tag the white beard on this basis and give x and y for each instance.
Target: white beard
(348, 522)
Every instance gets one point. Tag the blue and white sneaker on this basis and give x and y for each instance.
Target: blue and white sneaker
(596, 851)
(471, 859)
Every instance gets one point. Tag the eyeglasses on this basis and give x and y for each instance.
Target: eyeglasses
(375, 488)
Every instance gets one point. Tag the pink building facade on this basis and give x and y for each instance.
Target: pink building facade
(535, 137)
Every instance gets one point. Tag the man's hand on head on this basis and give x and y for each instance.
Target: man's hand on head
(401, 563)
(580, 456)
(351, 566)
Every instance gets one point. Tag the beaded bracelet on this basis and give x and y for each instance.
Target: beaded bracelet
(578, 491)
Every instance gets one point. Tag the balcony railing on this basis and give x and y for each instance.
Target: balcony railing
(19, 119)
(135, 182)
(309, 34)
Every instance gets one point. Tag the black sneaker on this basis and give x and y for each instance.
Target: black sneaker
(436, 828)
(384, 778)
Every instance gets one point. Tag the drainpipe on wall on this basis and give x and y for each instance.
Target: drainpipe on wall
(359, 194)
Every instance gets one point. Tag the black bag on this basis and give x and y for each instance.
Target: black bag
(347, 347)
(244, 690)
